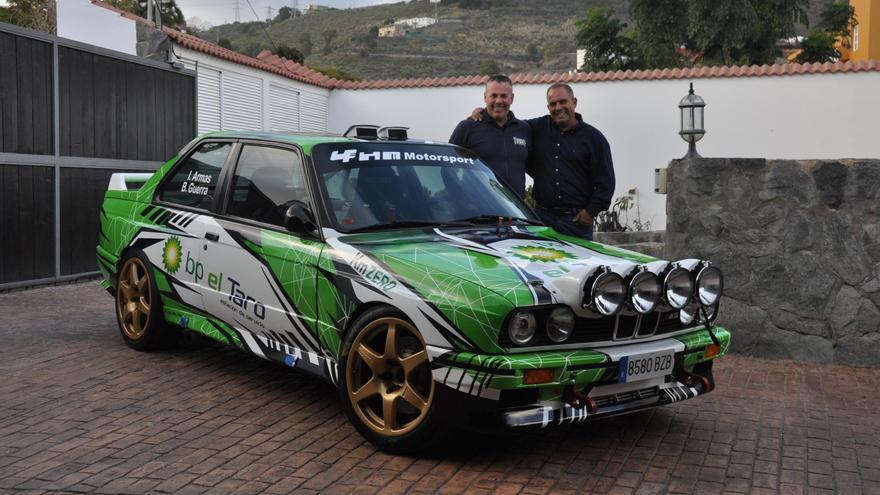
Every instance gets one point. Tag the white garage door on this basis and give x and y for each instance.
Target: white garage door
(242, 97)
(284, 109)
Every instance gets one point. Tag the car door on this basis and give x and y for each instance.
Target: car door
(263, 276)
(181, 213)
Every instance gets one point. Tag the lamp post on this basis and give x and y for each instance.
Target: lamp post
(691, 107)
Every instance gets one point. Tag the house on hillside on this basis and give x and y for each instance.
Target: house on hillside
(390, 31)
(404, 26)
(234, 91)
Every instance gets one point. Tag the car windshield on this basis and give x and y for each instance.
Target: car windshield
(371, 186)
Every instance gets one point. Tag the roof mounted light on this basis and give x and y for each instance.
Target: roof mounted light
(394, 133)
(363, 131)
(374, 132)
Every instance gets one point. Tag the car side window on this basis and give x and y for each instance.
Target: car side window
(194, 182)
(267, 182)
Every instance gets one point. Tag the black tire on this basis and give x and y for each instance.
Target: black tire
(138, 306)
(415, 422)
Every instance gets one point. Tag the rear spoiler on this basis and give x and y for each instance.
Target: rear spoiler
(127, 181)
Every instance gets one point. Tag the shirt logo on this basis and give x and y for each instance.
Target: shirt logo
(519, 141)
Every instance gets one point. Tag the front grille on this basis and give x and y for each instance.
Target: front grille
(606, 328)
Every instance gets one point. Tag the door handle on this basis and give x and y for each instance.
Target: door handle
(212, 236)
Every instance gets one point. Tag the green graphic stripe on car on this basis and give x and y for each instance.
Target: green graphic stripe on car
(549, 233)
(177, 312)
(476, 311)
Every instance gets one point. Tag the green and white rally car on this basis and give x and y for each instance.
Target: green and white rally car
(408, 275)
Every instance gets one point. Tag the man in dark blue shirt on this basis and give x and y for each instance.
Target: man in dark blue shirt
(571, 165)
(498, 137)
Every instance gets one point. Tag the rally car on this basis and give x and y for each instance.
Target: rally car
(408, 275)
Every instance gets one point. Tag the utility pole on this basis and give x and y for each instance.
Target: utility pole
(237, 8)
(269, 13)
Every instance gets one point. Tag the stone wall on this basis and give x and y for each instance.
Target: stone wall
(799, 245)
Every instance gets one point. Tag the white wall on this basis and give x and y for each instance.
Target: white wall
(81, 21)
(802, 116)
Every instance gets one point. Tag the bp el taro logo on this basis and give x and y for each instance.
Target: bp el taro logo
(540, 254)
(171, 254)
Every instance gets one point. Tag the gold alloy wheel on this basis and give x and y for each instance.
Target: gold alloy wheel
(388, 377)
(133, 298)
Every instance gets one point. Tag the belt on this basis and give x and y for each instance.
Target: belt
(559, 210)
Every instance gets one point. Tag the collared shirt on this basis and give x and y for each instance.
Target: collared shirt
(504, 149)
(571, 169)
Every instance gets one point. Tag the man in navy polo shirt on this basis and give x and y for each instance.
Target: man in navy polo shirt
(498, 137)
(571, 165)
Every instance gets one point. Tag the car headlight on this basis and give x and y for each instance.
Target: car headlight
(560, 324)
(688, 314)
(644, 292)
(710, 284)
(608, 293)
(521, 327)
(678, 287)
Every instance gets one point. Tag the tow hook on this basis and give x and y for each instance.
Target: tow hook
(578, 400)
(690, 379)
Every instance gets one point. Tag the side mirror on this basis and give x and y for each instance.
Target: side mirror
(298, 219)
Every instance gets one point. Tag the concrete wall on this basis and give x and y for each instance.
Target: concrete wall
(799, 245)
(796, 117)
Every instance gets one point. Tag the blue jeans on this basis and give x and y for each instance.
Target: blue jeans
(564, 223)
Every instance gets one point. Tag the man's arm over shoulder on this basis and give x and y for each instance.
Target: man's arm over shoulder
(602, 171)
(460, 134)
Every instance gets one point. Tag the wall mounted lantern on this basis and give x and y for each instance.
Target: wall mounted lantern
(692, 130)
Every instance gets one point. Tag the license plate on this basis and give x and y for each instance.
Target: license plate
(644, 366)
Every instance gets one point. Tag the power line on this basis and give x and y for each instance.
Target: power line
(262, 24)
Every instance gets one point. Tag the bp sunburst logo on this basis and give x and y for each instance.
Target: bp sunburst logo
(541, 253)
(171, 254)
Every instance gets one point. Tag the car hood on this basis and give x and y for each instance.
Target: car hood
(526, 265)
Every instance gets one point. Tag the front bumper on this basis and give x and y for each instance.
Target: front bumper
(607, 404)
(585, 384)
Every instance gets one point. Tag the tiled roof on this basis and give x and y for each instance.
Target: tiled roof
(292, 70)
(629, 75)
(270, 62)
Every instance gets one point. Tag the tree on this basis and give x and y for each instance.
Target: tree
(290, 53)
(225, 43)
(839, 20)
(660, 30)
(718, 27)
(329, 35)
(38, 15)
(489, 68)
(817, 46)
(836, 25)
(172, 16)
(532, 52)
(305, 43)
(777, 19)
(283, 14)
(601, 35)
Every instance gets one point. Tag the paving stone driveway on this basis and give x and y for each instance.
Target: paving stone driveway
(81, 412)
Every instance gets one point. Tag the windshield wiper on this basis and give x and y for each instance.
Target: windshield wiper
(410, 223)
(494, 219)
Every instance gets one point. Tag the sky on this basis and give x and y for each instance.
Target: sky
(223, 11)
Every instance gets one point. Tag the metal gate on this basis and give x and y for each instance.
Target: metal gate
(71, 114)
